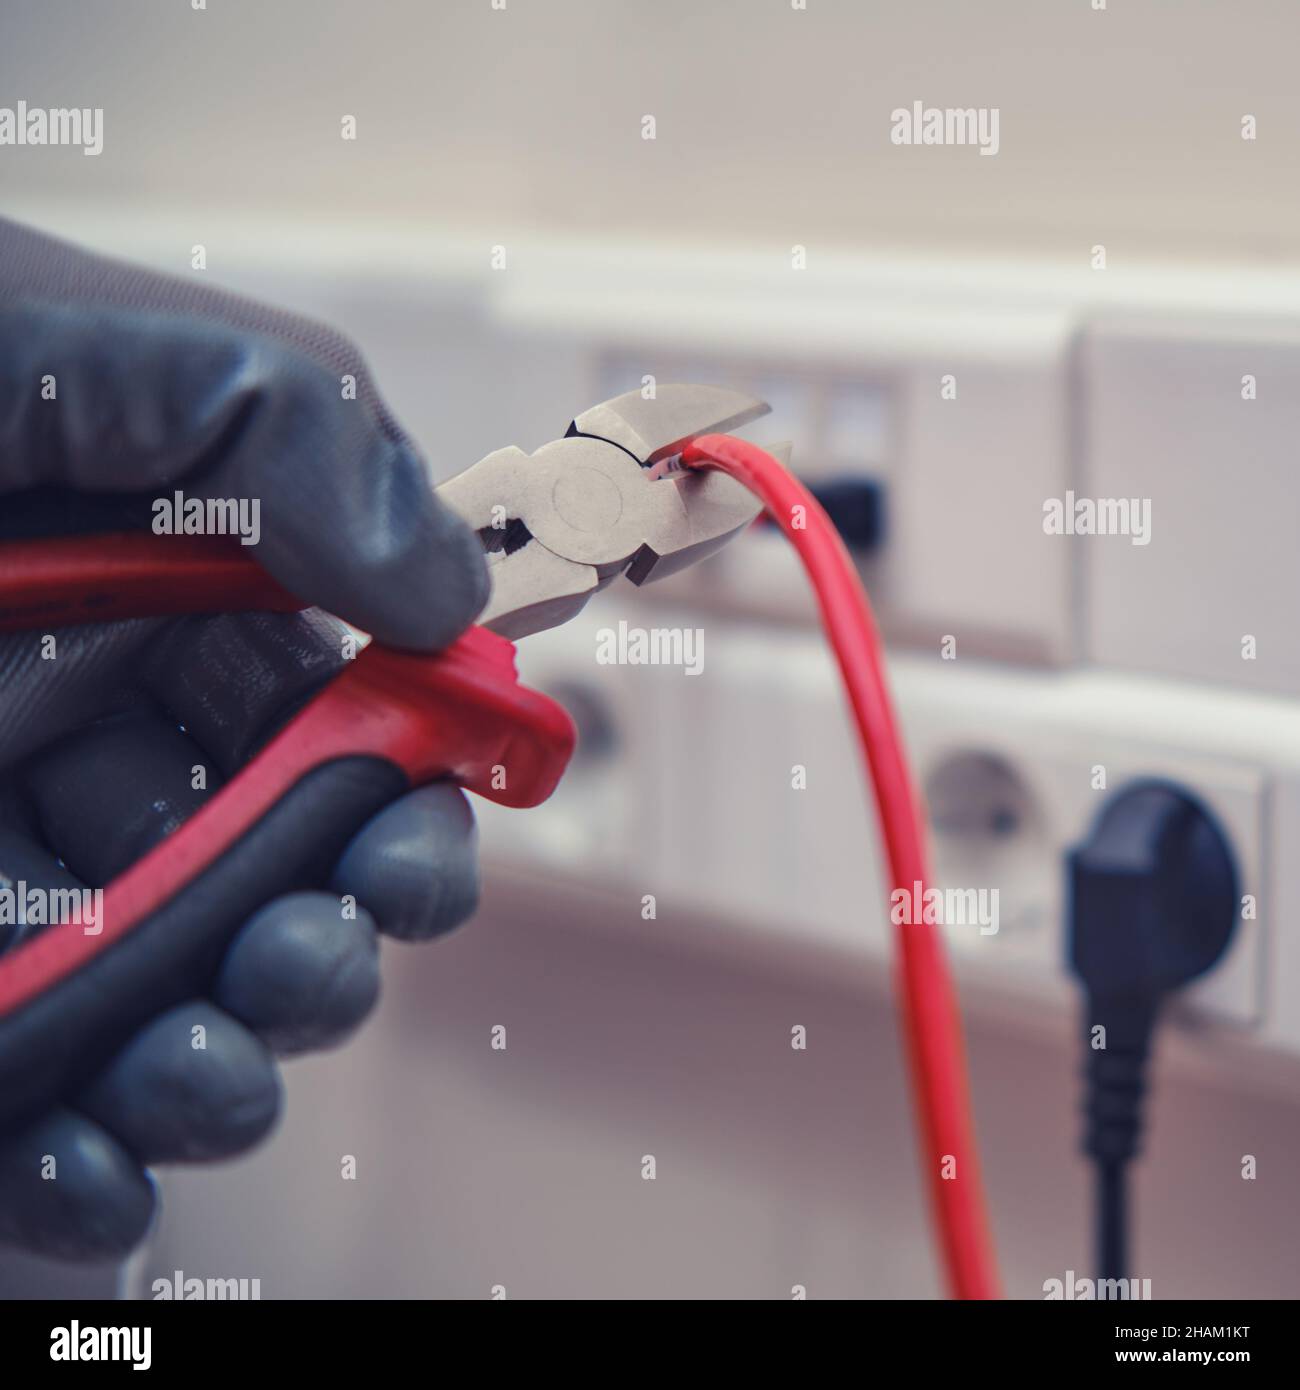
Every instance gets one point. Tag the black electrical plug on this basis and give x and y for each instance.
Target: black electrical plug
(855, 504)
(1153, 904)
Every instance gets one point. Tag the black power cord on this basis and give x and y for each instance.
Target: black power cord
(1153, 904)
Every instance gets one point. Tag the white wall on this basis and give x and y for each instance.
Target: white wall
(1120, 126)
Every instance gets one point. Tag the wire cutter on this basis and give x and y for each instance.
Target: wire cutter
(556, 526)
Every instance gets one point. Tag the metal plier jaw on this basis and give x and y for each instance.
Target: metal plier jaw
(556, 526)
(561, 523)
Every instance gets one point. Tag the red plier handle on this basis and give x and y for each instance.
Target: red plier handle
(556, 526)
(389, 721)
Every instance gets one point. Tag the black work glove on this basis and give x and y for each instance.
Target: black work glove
(162, 384)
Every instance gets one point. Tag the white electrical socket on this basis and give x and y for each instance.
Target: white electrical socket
(694, 799)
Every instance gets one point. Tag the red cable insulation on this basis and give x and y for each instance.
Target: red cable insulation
(928, 1001)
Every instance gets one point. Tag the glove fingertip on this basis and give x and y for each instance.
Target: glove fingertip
(72, 1192)
(422, 601)
(415, 864)
(303, 973)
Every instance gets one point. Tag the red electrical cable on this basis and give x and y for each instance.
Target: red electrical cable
(928, 1000)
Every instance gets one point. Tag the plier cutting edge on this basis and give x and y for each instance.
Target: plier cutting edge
(556, 525)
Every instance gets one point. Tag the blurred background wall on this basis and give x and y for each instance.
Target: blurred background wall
(522, 128)
(772, 123)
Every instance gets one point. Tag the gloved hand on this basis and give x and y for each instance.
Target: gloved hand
(157, 385)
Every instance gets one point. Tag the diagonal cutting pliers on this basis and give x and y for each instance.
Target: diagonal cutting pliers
(556, 526)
